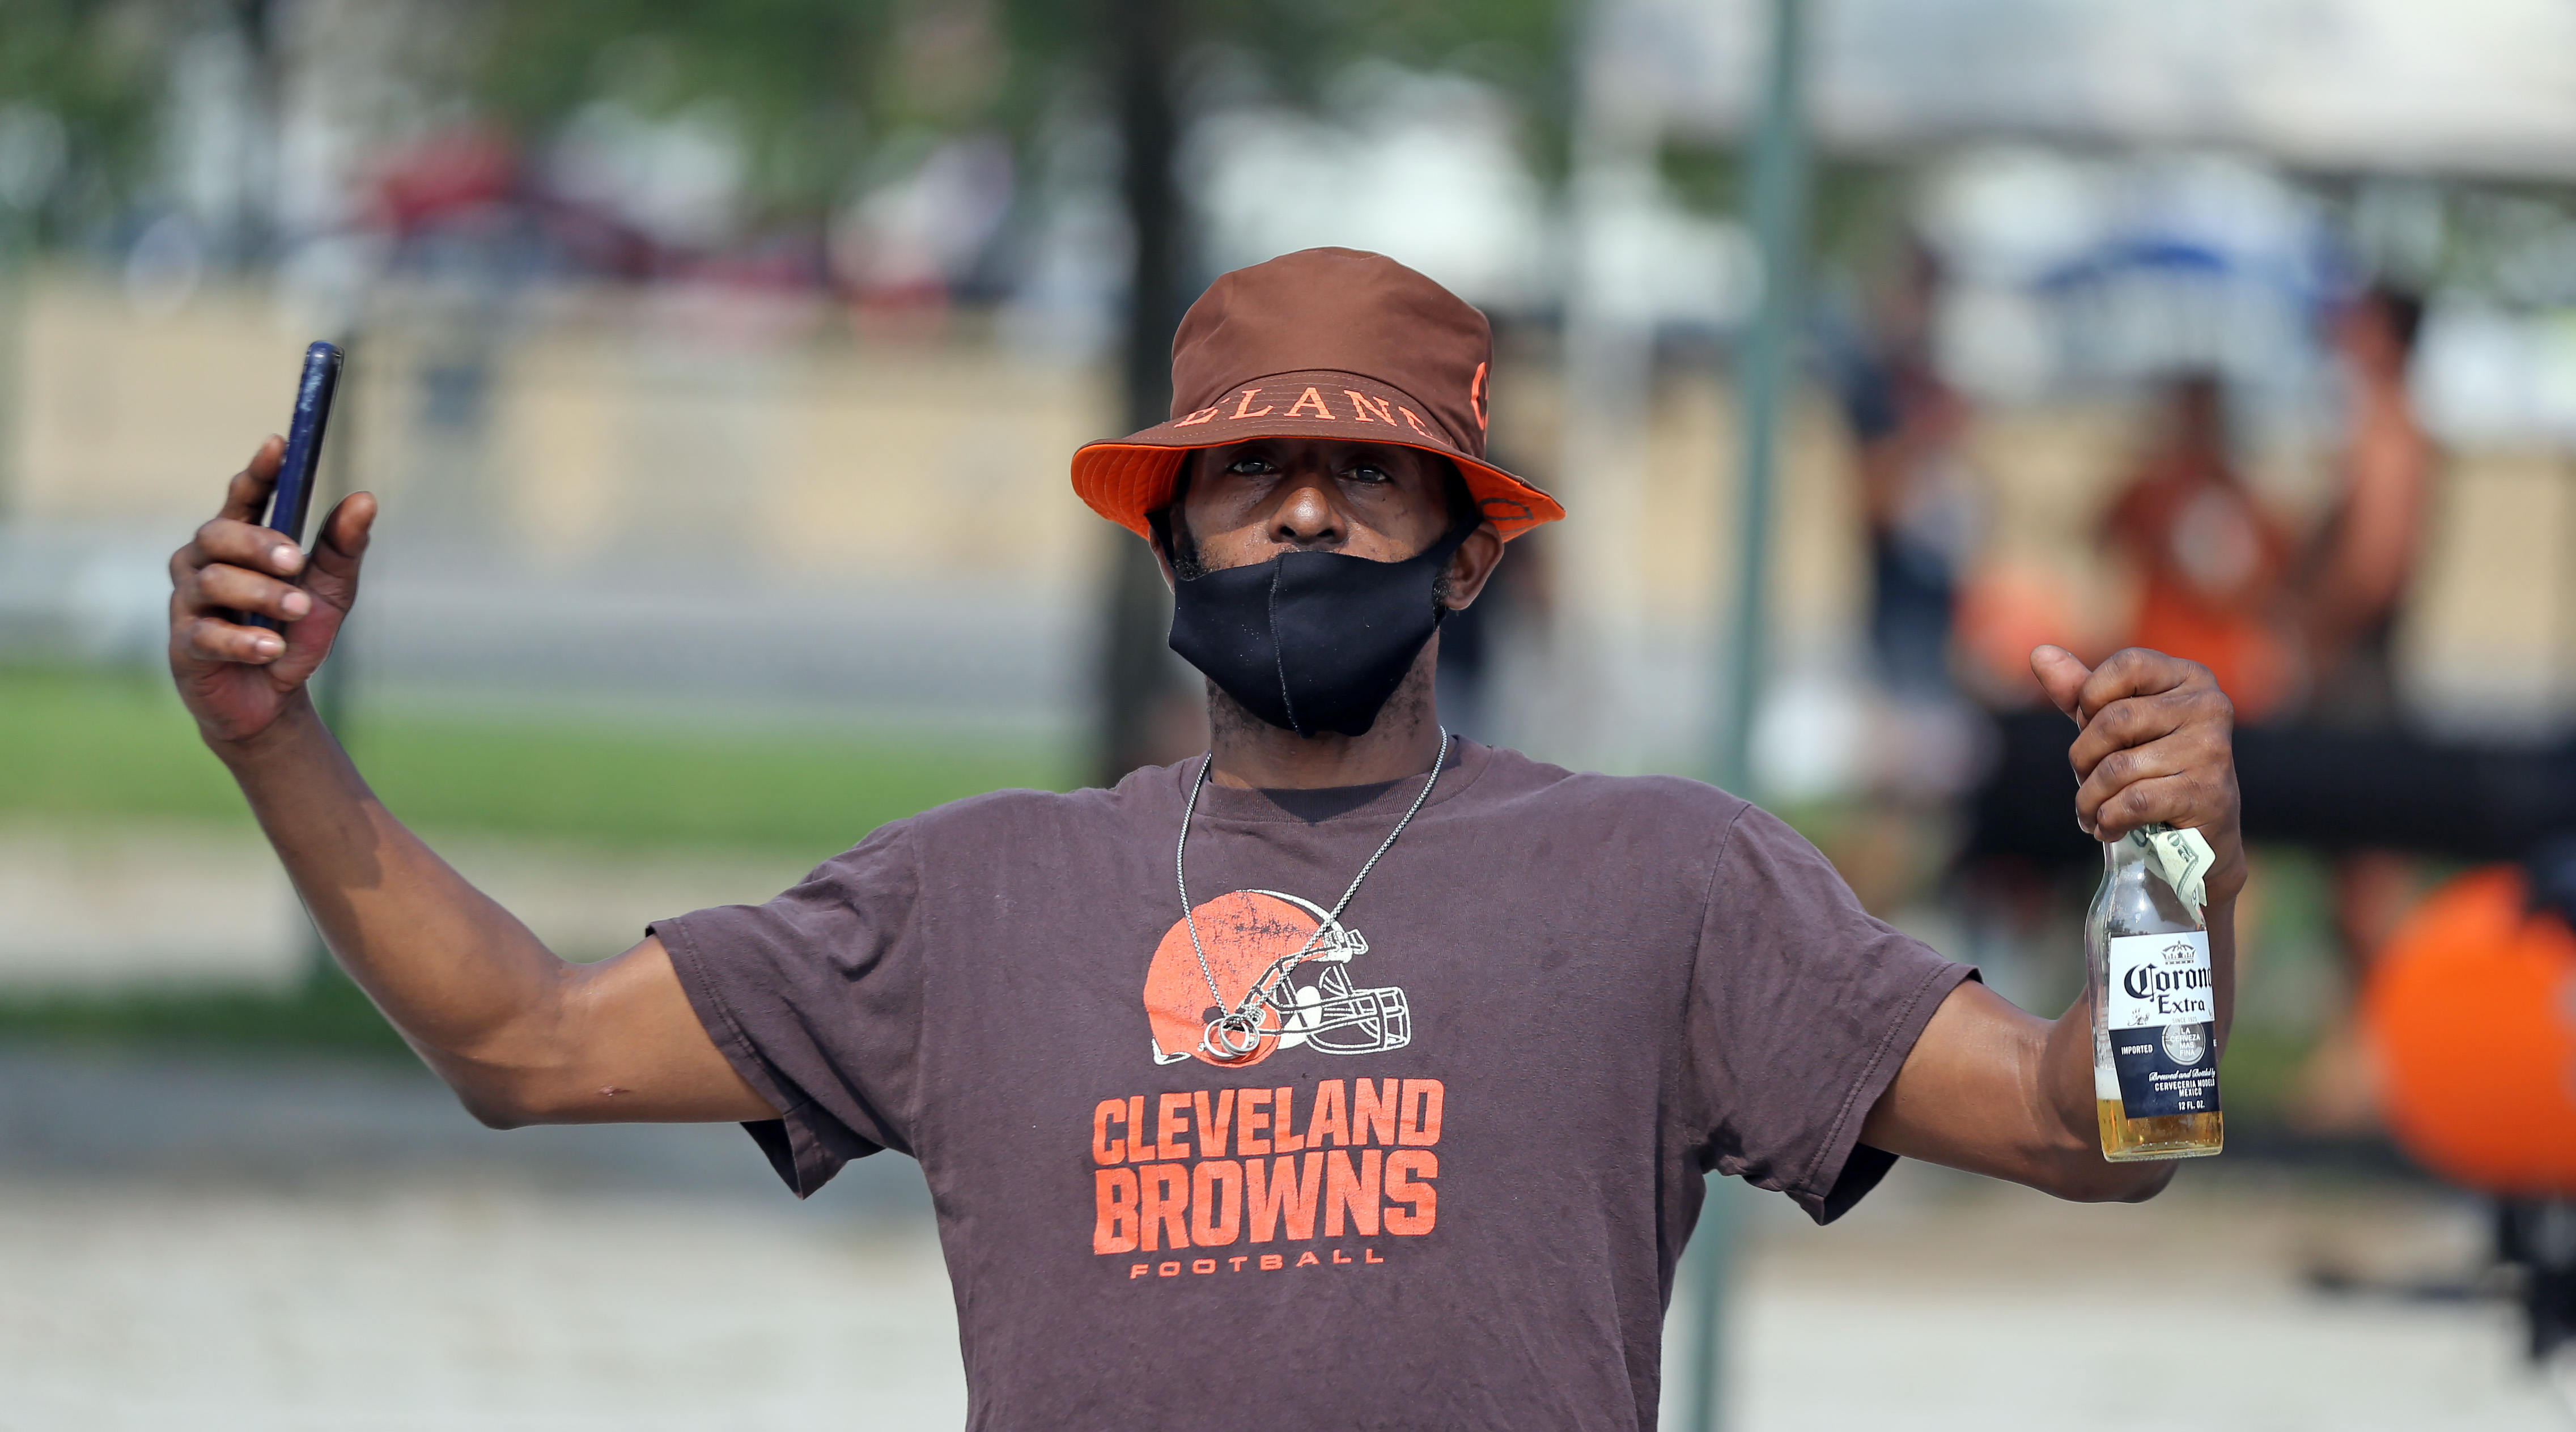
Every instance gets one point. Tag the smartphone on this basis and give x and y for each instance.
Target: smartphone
(292, 499)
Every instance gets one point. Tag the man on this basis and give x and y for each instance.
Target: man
(2213, 565)
(2358, 570)
(1920, 502)
(2364, 556)
(1350, 1076)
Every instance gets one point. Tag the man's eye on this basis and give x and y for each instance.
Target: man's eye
(1367, 472)
(1248, 466)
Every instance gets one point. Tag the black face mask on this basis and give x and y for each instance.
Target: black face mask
(1311, 641)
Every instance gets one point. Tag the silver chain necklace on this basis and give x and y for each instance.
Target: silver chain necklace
(1243, 1021)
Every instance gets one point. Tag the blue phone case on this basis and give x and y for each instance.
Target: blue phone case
(292, 499)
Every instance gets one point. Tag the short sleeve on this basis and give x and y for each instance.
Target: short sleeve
(815, 998)
(1803, 1007)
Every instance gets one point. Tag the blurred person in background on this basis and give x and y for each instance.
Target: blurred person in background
(2358, 570)
(1919, 499)
(2364, 557)
(1516, 602)
(1610, 988)
(1471, 666)
(2214, 568)
(1922, 513)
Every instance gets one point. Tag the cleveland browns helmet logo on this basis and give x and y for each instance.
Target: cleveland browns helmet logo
(1281, 966)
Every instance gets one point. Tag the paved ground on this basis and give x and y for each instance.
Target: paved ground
(197, 1243)
(1959, 1304)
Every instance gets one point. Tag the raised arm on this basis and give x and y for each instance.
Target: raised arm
(522, 1036)
(1995, 1090)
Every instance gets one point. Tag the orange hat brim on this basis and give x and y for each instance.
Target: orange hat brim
(1129, 479)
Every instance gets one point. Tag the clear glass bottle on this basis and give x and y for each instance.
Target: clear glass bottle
(2155, 1054)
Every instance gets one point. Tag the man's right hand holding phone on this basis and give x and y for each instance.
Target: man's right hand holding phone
(521, 1035)
(237, 679)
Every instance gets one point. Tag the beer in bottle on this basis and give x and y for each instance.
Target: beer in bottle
(2155, 1010)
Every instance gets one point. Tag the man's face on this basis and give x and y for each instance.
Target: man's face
(2200, 418)
(2367, 333)
(1251, 501)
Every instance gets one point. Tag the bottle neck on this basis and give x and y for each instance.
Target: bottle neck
(2139, 900)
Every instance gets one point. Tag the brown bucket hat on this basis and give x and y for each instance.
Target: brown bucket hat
(1324, 343)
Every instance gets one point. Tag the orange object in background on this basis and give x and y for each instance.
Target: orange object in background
(2004, 610)
(2214, 564)
(2471, 1010)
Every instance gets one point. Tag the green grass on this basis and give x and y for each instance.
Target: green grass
(104, 744)
(2259, 1076)
(87, 745)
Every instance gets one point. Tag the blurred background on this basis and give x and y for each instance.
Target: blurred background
(718, 364)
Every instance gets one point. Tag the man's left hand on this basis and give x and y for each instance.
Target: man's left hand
(1993, 1089)
(2156, 744)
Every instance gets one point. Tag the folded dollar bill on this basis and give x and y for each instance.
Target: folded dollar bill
(2182, 858)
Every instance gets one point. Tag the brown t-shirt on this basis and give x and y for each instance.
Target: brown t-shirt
(1451, 1186)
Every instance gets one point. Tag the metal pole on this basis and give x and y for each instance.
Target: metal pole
(1705, 1267)
(17, 294)
(1764, 368)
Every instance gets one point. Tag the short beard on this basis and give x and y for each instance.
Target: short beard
(1410, 704)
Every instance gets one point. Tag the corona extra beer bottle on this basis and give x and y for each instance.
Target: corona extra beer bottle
(2155, 1009)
